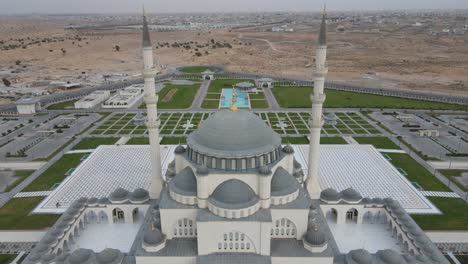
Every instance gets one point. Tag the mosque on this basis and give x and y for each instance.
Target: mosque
(234, 194)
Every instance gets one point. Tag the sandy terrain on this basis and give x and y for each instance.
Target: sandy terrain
(405, 59)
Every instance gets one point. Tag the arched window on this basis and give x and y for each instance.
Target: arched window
(283, 228)
(185, 228)
(235, 242)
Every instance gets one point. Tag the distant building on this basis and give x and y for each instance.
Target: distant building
(92, 100)
(28, 106)
(65, 85)
(265, 82)
(125, 98)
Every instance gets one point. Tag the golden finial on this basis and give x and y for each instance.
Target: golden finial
(324, 9)
(144, 10)
(234, 100)
(152, 226)
(315, 227)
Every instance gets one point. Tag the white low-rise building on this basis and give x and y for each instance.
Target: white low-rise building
(126, 98)
(92, 100)
(27, 106)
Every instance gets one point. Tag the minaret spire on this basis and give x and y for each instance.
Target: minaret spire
(316, 121)
(152, 122)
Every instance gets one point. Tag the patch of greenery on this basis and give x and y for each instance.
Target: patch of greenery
(417, 173)
(454, 217)
(210, 104)
(295, 140)
(7, 258)
(92, 143)
(63, 106)
(452, 175)
(332, 140)
(377, 142)
(138, 141)
(55, 173)
(259, 103)
(197, 69)
(16, 215)
(217, 86)
(299, 97)
(173, 140)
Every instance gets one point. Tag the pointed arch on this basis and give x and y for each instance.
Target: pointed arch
(235, 241)
(283, 228)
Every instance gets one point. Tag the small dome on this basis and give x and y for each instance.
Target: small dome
(179, 150)
(264, 170)
(48, 240)
(47, 258)
(109, 256)
(77, 205)
(351, 195)
(377, 201)
(93, 201)
(359, 256)
(103, 200)
(288, 149)
(422, 258)
(330, 195)
(389, 256)
(139, 195)
(298, 174)
(171, 165)
(170, 174)
(233, 194)
(35, 257)
(203, 170)
(63, 225)
(42, 248)
(297, 165)
(408, 258)
(73, 211)
(184, 183)
(153, 237)
(61, 258)
(57, 232)
(83, 200)
(67, 218)
(119, 195)
(81, 256)
(367, 200)
(315, 237)
(283, 183)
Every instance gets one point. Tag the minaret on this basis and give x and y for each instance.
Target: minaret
(316, 121)
(152, 122)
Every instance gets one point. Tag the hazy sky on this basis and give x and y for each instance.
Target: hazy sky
(132, 6)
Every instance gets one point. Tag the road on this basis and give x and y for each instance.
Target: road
(200, 97)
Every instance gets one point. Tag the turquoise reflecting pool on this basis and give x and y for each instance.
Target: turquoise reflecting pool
(226, 99)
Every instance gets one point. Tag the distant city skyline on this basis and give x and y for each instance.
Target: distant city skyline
(186, 6)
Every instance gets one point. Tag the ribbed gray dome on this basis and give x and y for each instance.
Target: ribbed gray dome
(119, 195)
(359, 256)
(288, 149)
(47, 258)
(351, 195)
(61, 258)
(315, 237)
(283, 183)
(234, 134)
(265, 170)
(34, 257)
(57, 232)
(203, 170)
(179, 150)
(389, 256)
(103, 200)
(93, 201)
(330, 195)
(83, 200)
(422, 258)
(139, 195)
(377, 201)
(109, 256)
(153, 237)
(233, 194)
(42, 248)
(184, 183)
(81, 256)
(367, 200)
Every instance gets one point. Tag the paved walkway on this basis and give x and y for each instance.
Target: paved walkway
(32, 194)
(21, 236)
(440, 194)
(20, 255)
(79, 151)
(350, 140)
(392, 151)
(122, 141)
(14, 165)
(453, 165)
(200, 97)
(448, 236)
(454, 259)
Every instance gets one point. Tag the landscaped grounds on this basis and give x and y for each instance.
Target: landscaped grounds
(213, 96)
(299, 97)
(285, 124)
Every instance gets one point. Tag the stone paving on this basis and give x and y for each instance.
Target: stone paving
(32, 194)
(440, 194)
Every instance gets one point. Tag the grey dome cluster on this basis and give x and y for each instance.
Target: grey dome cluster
(283, 183)
(349, 195)
(265, 170)
(233, 141)
(359, 256)
(233, 194)
(184, 183)
(288, 149)
(109, 256)
(121, 195)
(389, 256)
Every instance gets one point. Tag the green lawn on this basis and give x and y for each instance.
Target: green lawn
(217, 86)
(62, 106)
(210, 104)
(299, 97)
(332, 140)
(7, 258)
(452, 174)
(378, 142)
(259, 103)
(173, 140)
(138, 141)
(454, 217)
(92, 143)
(181, 99)
(197, 69)
(295, 140)
(21, 175)
(16, 215)
(55, 173)
(417, 173)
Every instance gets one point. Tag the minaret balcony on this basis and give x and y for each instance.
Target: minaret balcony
(316, 123)
(149, 73)
(318, 99)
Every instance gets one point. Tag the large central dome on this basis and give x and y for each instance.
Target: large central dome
(234, 134)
